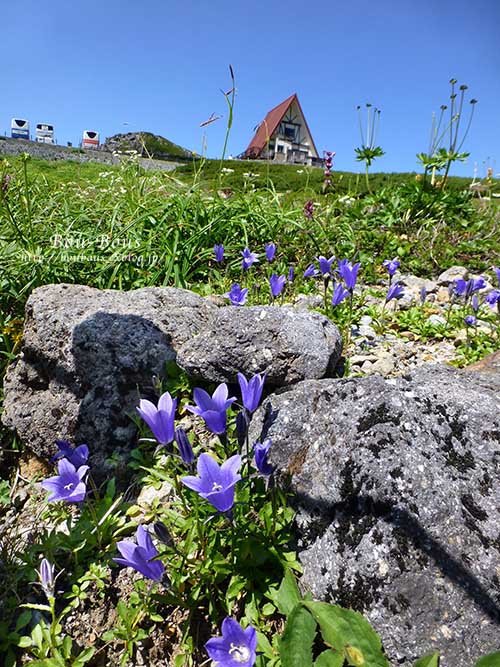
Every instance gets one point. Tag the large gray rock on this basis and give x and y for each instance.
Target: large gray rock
(397, 488)
(287, 344)
(87, 358)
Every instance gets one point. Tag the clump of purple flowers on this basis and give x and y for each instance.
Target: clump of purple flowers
(328, 157)
(309, 210)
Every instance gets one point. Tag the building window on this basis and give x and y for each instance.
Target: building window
(280, 148)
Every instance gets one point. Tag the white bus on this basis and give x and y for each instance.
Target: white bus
(45, 133)
(90, 139)
(19, 128)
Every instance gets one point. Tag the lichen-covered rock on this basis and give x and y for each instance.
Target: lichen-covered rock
(396, 485)
(287, 344)
(88, 356)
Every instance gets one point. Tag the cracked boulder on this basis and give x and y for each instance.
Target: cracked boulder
(396, 483)
(288, 344)
(88, 355)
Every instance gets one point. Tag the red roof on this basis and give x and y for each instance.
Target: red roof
(269, 125)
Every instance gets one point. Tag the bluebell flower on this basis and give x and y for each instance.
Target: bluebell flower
(291, 273)
(261, 451)
(215, 483)
(325, 265)
(392, 265)
(492, 298)
(46, 578)
(68, 485)
(236, 295)
(140, 556)
(236, 648)
(423, 294)
(470, 320)
(276, 283)
(159, 419)
(339, 294)
(395, 291)
(496, 269)
(78, 456)
(219, 252)
(270, 251)
(249, 258)
(251, 390)
(311, 271)
(348, 273)
(185, 449)
(212, 409)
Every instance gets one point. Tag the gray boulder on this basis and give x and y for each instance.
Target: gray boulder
(396, 486)
(287, 344)
(88, 356)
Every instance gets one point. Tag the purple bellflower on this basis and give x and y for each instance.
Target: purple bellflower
(236, 648)
(236, 295)
(160, 420)
(140, 556)
(185, 449)
(395, 291)
(475, 303)
(78, 456)
(212, 408)
(325, 265)
(46, 578)
(276, 283)
(468, 287)
(348, 273)
(496, 269)
(311, 271)
(251, 390)
(219, 252)
(68, 485)
(339, 294)
(423, 295)
(261, 452)
(215, 483)
(291, 274)
(492, 298)
(470, 321)
(392, 265)
(270, 251)
(249, 258)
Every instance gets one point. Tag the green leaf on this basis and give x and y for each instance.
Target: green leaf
(23, 620)
(84, 656)
(330, 659)
(347, 631)
(263, 645)
(38, 607)
(288, 594)
(25, 642)
(431, 660)
(297, 640)
(490, 660)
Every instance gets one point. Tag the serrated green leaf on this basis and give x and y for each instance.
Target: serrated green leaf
(348, 631)
(490, 660)
(330, 659)
(431, 660)
(298, 638)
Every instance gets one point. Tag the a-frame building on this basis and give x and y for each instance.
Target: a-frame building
(284, 136)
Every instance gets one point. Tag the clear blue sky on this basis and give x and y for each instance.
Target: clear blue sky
(159, 65)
